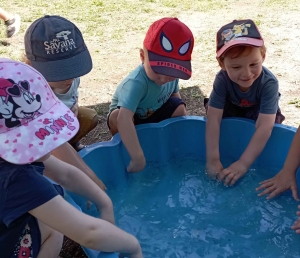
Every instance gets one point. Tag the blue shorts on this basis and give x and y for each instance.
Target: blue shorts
(164, 112)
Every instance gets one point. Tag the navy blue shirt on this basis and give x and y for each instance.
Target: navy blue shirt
(22, 188)
(263, 92)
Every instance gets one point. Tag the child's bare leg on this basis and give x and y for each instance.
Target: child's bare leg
(4, 15)
(51, 242)
(112, 121)
(179, 111)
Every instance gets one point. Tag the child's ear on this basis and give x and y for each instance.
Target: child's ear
(221, 64)
(142, 55)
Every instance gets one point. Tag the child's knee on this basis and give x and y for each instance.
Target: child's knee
(112, 121)
(50, 237)
(180, 111)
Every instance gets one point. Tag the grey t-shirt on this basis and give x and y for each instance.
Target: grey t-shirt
(70, 98)
(263, 92)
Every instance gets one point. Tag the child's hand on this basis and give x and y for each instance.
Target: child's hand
(232, 173)
(213, 169)
(296, 225)
(136, 165)
(283, 181)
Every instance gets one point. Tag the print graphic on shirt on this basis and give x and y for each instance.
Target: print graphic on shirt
(17, 102)
(23, 248)
(238, 30)
(245, 103)
(144, 113)
(62, 43)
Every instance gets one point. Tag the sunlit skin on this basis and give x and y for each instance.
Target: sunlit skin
(158, 78)
(245, 69)
(61, 87)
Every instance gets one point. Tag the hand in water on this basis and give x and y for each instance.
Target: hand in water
(231, 174)
(213, 169)
(283, 181)
(296, 225)
(136, 165)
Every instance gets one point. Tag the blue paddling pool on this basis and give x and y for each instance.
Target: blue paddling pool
(175, 210)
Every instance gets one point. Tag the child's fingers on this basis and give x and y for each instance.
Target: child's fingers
(295, 192)
(266, 181)
(229, 179)
(274, 193)
(268, 190)
(234, 179)
(223, 174)
(88, 204)
(264, 185)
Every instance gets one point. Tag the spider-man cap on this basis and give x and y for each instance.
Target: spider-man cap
(170, 44)
(33, 122)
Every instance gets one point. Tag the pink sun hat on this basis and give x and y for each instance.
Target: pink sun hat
(33, 122)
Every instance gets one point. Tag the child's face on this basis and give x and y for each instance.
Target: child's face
(61, 87)
(158, 78)
(244, 70)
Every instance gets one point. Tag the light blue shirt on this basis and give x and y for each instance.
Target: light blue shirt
(140, 94)
(70, 98)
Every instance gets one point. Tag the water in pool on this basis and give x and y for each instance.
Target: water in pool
(176, 211)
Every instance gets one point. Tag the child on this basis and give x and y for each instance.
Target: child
(243, 88)
(55, 47)
(286, 177)
(11, 21)
(33, 215)
(150, 93)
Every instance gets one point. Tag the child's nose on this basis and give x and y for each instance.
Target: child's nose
(246, 72)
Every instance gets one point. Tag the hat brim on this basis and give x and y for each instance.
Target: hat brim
(240, 41)
(170, 67)
(65, 69)
(40, 136)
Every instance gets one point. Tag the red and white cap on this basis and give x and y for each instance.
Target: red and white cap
(170, 45)
(238, 32)
(33, 122)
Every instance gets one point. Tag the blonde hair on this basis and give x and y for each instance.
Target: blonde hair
(238, 51)
(25, 60)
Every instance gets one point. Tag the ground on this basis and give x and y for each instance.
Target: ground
(114, 31)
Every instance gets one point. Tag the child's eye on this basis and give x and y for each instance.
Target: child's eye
(255, 64)
(235, 67)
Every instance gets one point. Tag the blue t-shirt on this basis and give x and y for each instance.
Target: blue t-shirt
(140, 94)
(22, 188)
(263, 92)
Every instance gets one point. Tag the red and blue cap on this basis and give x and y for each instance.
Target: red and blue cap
(170, 44)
